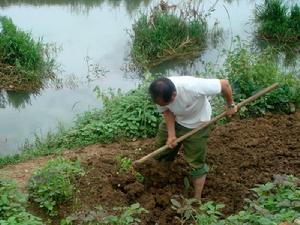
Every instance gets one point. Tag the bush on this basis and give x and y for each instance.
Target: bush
(277, 21)
(129, 115)
(53, 184)
(21, 55)
(12, 206)
(249, 72)
(164, 35)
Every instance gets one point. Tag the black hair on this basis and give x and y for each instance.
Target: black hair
(162, 88)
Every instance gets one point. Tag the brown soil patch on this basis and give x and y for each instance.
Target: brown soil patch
(241, 154)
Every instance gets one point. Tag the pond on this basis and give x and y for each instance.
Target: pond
(93, 32)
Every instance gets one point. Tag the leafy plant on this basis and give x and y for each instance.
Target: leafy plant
(12, 206)
(53, 184)
(249, 72)
(124, 163)
(276, 202)
(127, 216)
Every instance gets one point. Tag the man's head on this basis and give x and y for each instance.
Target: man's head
(162, 91)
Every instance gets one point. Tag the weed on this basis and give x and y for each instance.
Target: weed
(53, 184)
(124, 163)
(249, 72)
(125, 166)
(275, 202)
(12, 206)
(127, 216)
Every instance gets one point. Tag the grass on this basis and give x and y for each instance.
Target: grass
(23, 63)
(278, 21)
(164, 35)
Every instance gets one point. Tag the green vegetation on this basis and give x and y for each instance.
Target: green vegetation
(275, 202)
(277, 21)
(124, 115)
(125, 166)
(53, 184)
(12, 206)
(163, 35)
(124, 163)
(127, 216)
(22, 62)
(249, 72)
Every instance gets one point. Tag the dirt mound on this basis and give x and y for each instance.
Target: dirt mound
(241, 154)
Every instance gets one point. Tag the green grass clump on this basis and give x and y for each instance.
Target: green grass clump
(12, 206)
(54, 183)
(277, 21)
(163, 36)
(22, 59)
(249, 72)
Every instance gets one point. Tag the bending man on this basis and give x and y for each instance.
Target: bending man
(184, 102)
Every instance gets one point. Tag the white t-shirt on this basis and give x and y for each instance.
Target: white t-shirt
(191, 106)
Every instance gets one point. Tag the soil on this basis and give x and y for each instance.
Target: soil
(241, 154)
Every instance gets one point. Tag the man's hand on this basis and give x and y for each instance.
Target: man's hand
(171, 142)
(231, 109)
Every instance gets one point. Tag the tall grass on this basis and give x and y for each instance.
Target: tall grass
(164, 35)
(22, 59)
(278, 21)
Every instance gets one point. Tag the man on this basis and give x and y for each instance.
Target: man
(184, 102)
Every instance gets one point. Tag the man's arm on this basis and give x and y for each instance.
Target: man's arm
(227, 95)
(170, 122)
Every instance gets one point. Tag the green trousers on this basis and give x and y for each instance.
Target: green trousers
(194, 148)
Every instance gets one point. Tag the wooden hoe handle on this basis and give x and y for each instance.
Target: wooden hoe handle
(246, 101)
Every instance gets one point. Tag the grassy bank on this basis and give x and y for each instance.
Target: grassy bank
(23, 62)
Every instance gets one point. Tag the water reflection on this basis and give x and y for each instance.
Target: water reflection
(80, 6)
(16, 99)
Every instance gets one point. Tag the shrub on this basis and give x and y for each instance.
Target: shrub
(12, 206)
(164, 35)
(53, 184)
(21, 56)
(124, 115)
(249, 72)
(277, 21)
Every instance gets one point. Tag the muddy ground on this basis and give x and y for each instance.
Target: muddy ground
(241, 154)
